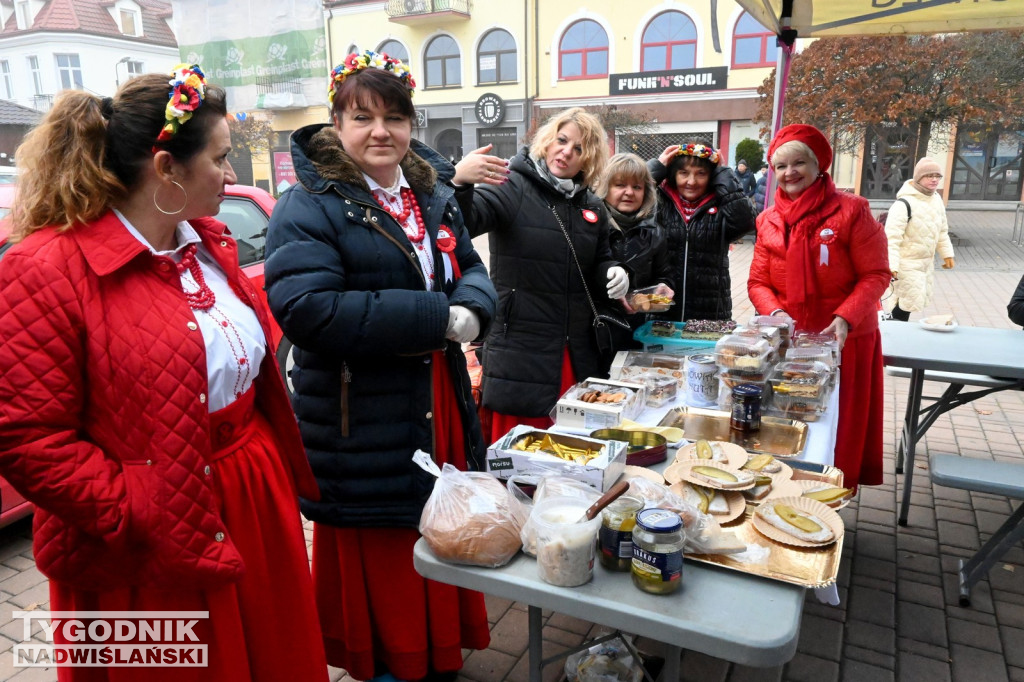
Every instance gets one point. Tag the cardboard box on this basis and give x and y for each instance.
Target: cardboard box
(601, 472)
(573, 413)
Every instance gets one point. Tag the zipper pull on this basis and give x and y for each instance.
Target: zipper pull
(346, 379)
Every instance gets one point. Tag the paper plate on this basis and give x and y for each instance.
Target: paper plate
(735, 455)
(630, 471)
(937, 323)
(828, 516)
(785, 473)
(683, 471)
(737, 504)
(782, 489)
(806, 486)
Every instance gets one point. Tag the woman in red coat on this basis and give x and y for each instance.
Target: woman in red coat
(822, 258)
(141, 409)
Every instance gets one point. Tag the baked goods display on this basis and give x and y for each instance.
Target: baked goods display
(783, 323)
(599, 403)
(661, 389)
(708, 330)
(799, 390)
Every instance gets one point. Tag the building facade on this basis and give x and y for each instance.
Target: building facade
(95, 45)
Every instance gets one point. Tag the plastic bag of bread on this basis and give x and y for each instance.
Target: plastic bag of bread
(471, 518)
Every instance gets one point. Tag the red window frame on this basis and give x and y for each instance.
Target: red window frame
(584, 51)
(764, 35)
(667, 44)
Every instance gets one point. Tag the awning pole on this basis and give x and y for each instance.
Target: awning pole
(787, 37)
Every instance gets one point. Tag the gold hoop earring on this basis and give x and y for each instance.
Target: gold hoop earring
(183, 204)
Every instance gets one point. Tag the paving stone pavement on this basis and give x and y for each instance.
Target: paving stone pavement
(899, 618)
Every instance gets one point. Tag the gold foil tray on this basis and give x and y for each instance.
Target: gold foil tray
(778, 436)
(808, 567)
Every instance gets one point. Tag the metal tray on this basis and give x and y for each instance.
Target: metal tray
(808, 567)
(778, 436)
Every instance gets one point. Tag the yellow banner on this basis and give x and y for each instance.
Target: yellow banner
(819, 18)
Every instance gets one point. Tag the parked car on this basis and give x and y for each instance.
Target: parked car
(246, 211)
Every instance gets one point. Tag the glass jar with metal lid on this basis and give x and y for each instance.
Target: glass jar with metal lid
(615, 539)
(658, 538)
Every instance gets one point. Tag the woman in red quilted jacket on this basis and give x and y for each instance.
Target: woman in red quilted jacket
(822, 258)
(140, 406)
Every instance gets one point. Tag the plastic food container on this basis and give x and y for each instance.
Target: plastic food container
(799, 390)
(661, 389)
(658, 336)
(647, 301)
(802, 339)
(743, 354)
(811, 354)
(565, 548)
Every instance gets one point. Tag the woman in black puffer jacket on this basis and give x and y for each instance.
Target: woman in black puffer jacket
(631, 199)
(702, 208)
(542, 340)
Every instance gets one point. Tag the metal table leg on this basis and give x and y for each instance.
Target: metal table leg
(536, 648)
(909, 438)
(670, 673)
(1008, 535)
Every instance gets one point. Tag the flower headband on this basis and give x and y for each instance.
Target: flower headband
(700, 151)
(188, 91)
(369, 60)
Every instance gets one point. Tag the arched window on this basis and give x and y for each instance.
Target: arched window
(583, 52)
(752, 44)
(393, 48)
(496, 58)
(443, 68)
(669, 42)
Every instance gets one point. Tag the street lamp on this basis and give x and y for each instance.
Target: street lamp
(117, 78)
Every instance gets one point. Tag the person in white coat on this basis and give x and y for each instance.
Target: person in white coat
(916, 228)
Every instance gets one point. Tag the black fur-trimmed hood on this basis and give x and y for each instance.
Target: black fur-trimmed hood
(319, 159)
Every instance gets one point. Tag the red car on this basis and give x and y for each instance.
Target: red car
(246, 211)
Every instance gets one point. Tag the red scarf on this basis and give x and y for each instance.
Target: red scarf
(686, 209)
(801, 279)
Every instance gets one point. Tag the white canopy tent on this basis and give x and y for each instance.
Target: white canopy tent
(792, 19)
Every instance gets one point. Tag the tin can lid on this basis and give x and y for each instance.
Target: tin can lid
(702, 359)
(659, 520)
(746, 390)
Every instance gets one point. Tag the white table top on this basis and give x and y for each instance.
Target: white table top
(967, 350)
(722, 613)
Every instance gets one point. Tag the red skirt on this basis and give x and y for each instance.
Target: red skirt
(374, 606)
(262, 628)
(861, 411)
(496, 424)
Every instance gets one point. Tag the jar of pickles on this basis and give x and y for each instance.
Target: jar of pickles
(615, 539)
(658, 539)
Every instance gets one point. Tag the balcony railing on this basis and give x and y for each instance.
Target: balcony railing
(399, 10)
(266, 85)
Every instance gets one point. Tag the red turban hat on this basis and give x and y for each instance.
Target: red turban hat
(810, 136)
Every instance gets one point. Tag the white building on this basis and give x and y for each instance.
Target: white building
(94, 45)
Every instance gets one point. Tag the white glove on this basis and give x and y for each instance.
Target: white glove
(463, 325)
(618, 282)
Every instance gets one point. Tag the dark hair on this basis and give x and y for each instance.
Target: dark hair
(686, 161)
(370, 87)
(89, 151)
(138, 116)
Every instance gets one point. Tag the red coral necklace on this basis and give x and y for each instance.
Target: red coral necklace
(409, 205)
(203, 299)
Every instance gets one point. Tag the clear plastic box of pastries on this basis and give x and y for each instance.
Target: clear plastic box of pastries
(784, 323)
(647, 300)
(633, 365)
(771, 334)
(815, 353)
(799, 390)
(804, 338)
(745, 354)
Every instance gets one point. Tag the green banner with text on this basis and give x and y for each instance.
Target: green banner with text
(249, 61)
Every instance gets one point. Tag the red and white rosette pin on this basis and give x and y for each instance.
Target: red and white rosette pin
(826, 237)
(589, 216)
(446, 242)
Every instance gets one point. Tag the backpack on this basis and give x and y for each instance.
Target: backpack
(885, 214)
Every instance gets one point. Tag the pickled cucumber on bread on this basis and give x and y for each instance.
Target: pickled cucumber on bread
(798, 523)
(720, 478)
(830, 495)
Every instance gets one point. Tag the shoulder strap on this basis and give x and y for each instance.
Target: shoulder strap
(907, 204)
